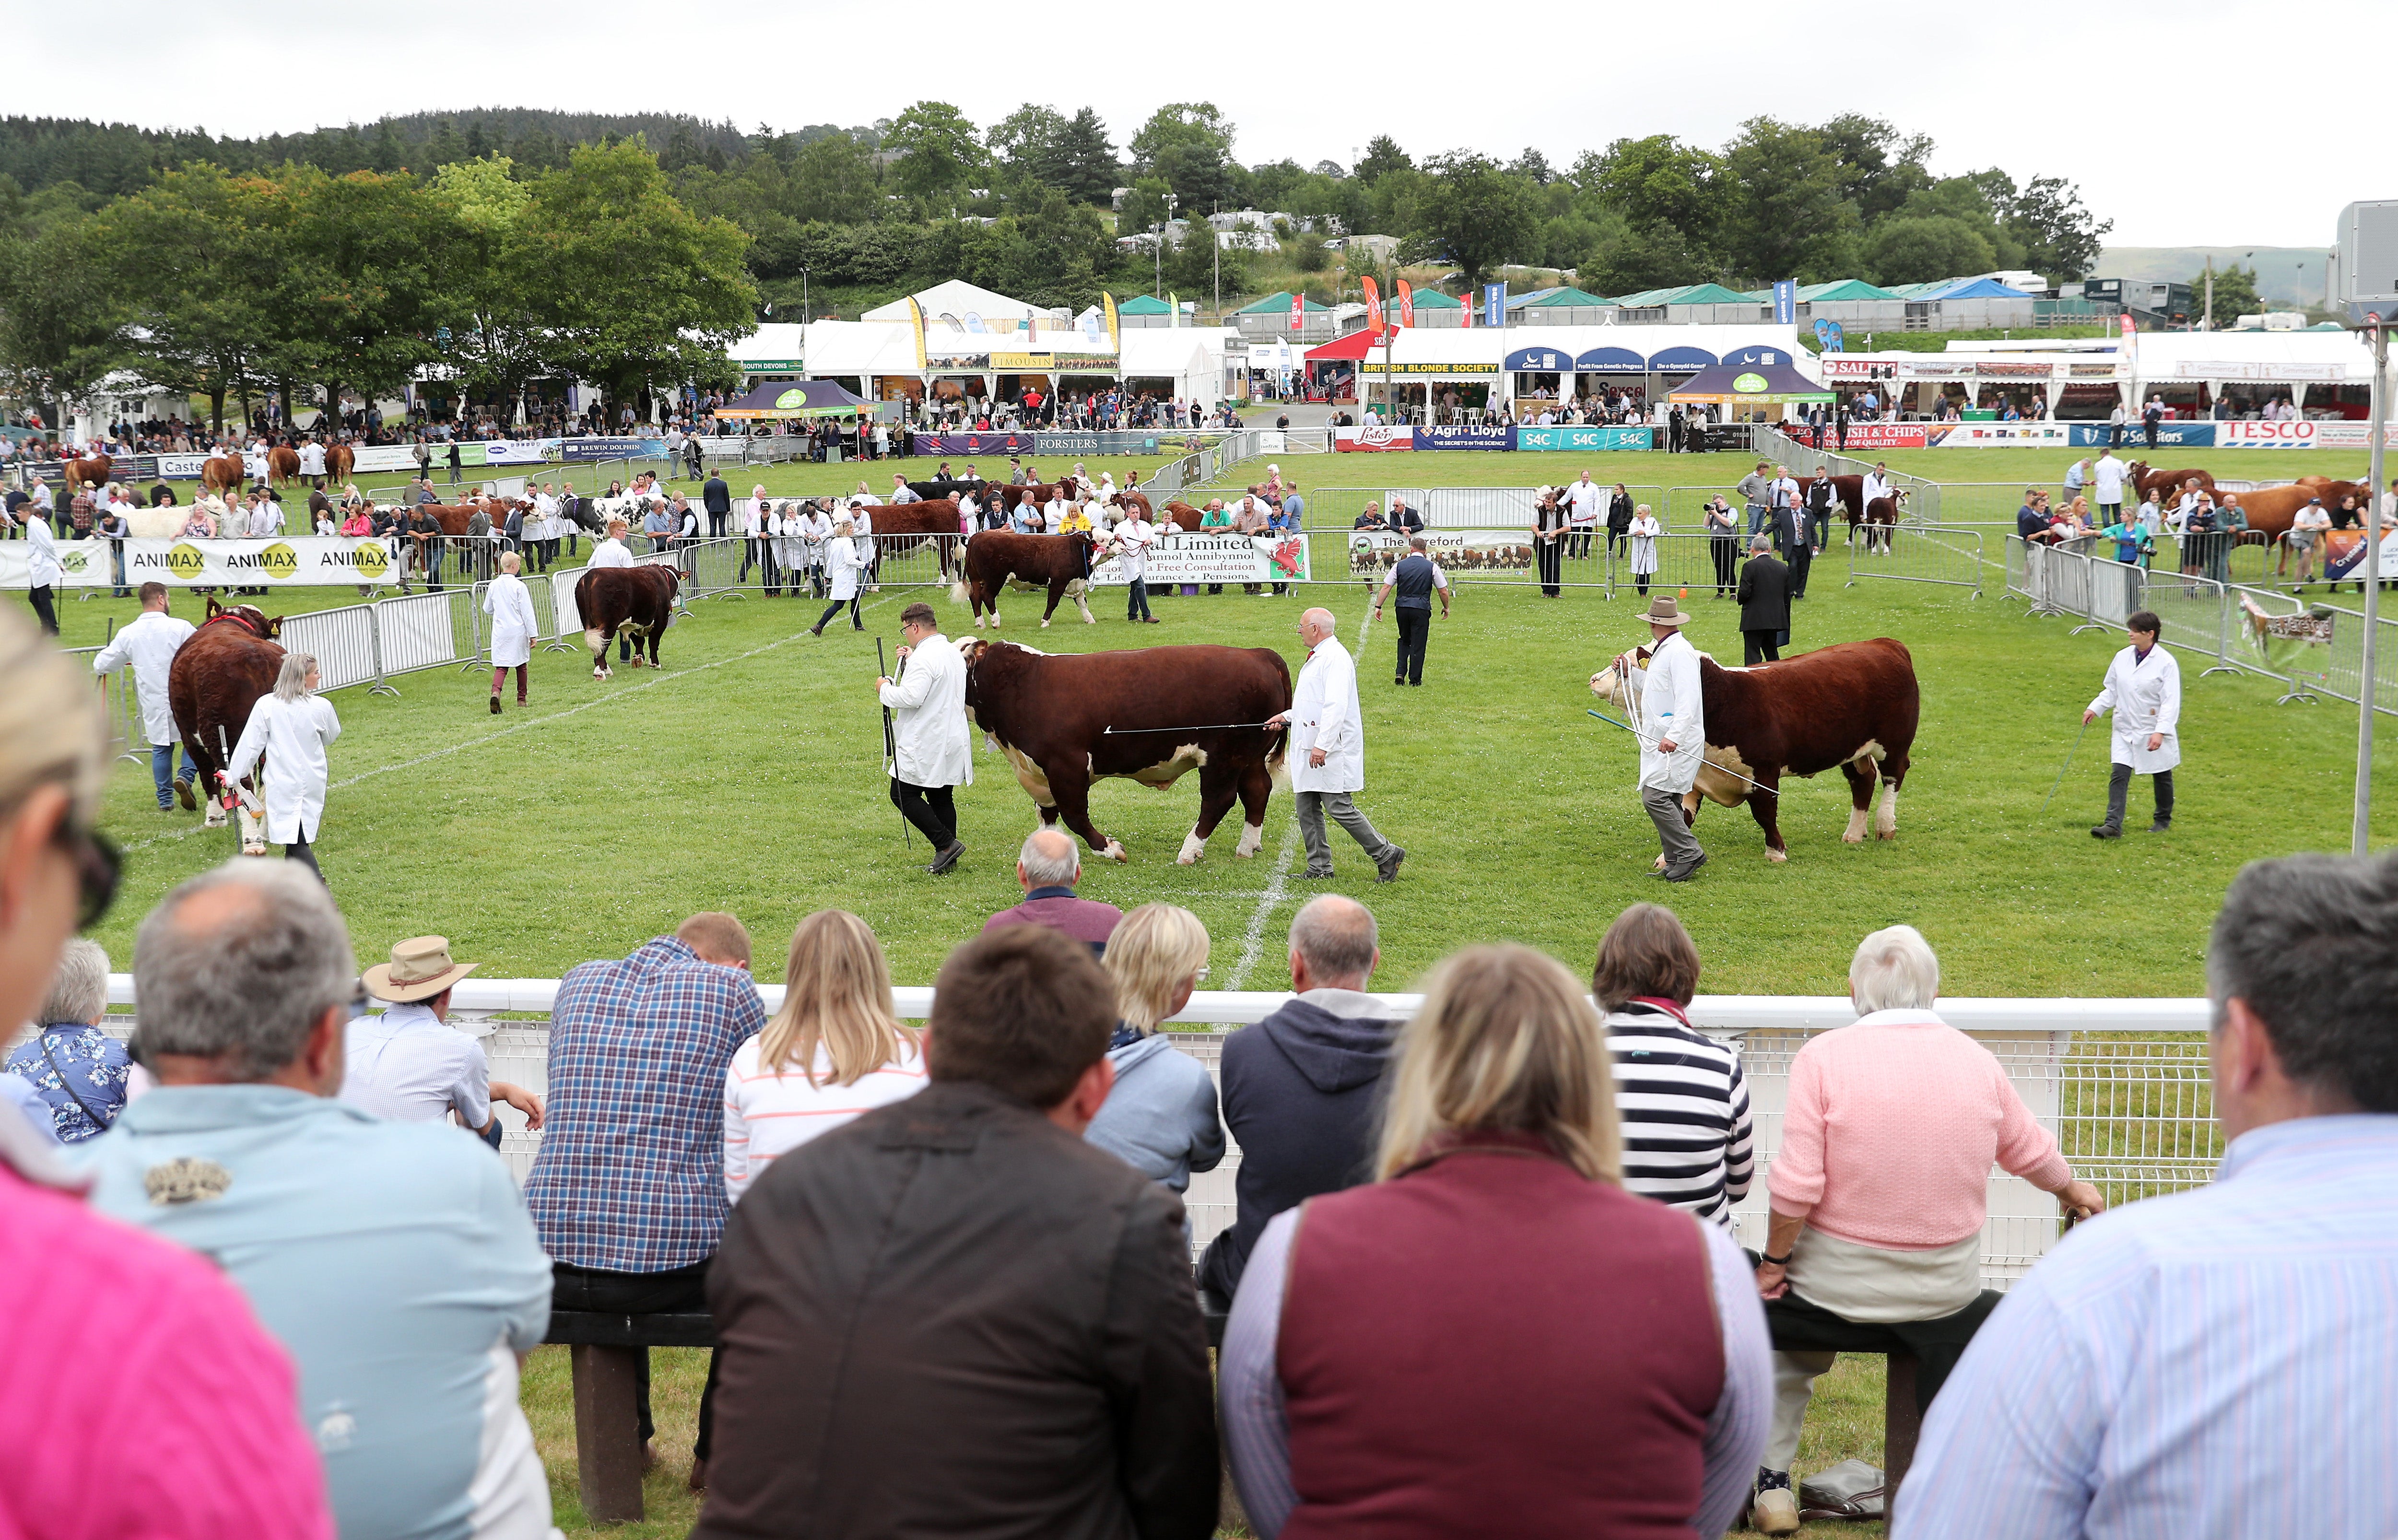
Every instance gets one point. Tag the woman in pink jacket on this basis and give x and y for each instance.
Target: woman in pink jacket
(1880, 1189)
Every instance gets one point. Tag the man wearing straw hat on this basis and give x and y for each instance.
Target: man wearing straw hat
(408, 1065)
(1673, 732)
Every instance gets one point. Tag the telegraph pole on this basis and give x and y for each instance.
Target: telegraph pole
(2367, 693)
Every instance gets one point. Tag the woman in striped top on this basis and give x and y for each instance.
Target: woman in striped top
(834, 1051)
(1680, 1093)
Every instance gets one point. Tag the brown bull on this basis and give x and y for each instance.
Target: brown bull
(282, 465)
(339, 458)
(1183, 516)
(2271, 511)
(2167, 483)
(221, 473)
(1063, 723)
(1855, 705)
(1058, 562)
(217, 676)
(636, 602)
(89, 472)
(903, 527)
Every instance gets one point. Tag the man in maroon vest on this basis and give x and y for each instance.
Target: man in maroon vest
(1047, 869)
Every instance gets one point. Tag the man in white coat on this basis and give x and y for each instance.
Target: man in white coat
(148, 646)
(1328, 751)
(931, 748)
(1673, 724)
(44, 575)
(2143, 689)
(513, 627)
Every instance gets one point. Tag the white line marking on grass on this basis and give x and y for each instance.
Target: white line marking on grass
(610, 699)
(1253, 939)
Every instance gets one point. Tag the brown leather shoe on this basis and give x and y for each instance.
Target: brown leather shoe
(698, 1481)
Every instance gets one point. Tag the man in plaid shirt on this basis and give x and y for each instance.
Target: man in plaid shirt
(629, 1189)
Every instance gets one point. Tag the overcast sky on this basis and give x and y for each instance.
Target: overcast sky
(2060, 92)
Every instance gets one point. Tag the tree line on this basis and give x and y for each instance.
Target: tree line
(516, 244)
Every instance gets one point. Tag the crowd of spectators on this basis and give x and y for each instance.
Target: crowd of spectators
(1481, 1278)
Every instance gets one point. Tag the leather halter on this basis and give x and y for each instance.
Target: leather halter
(255, 628)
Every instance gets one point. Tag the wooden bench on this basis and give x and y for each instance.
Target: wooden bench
(604, 1349)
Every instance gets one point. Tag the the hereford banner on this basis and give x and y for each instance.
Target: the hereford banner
(297, 562)
(1454, 551)
(1361, 439)
(1584, 438)
(1189, 558)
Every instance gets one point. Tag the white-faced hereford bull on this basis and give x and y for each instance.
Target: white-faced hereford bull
(1853, 705)
(217, 676)
(1060, 562)
(1064, 722)
(636, 600)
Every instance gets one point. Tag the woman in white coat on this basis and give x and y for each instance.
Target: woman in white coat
(841, 566)
(2143, 689)
(290, 729)
(510, 604)
(1644, 530)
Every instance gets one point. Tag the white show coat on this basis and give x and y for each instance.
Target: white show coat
(149, 644)
(42, 562)
(510, 604)
(2144, 694)
(1324, 715)
(1584, 501)
(611, 552)
(928, 716)
(293, 737)
(1671, 707)
(1644, 533)
(841, 564)
(1134, 537)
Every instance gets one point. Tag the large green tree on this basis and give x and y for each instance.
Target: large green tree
(60, 318)
(1910, 249)
(636, 289)
(1084, 165)
(497, 343)
(191, 254)
(1382, 157)
(939, 149)
(2235, 294)
(1190, 145)
(1659, 180)
(2061, 238)
(370, 279)
(1477, 214)
(1879, 166)
(1789, 217)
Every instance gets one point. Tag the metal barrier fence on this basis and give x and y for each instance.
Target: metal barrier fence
(1912, 553)
(2123, 1084)
(129, 739)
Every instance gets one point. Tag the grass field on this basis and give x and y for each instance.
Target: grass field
(747, 776)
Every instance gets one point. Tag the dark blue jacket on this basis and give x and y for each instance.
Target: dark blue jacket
(1301, 1091)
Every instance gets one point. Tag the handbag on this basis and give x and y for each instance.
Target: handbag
(68, 1085)
(1850, 1489)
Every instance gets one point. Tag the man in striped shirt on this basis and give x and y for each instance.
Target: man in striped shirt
(1680, 1093)
(2217, 1363)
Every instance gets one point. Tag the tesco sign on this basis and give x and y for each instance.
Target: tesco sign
(2297, 435)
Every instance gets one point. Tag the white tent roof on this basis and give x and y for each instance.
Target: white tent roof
(1192, 355)
(961, 299)
(774, 340)
(1450, 344)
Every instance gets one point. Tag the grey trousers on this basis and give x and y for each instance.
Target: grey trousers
(1312, 805)
(1665, 811)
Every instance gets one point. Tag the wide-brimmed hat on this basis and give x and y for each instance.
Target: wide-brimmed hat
(1663, 611)
(419, 968)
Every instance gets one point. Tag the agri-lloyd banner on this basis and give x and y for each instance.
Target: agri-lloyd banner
(297, 562)
(1350, 440)
(1191, 558)
(1373, 554)
(1501, 437)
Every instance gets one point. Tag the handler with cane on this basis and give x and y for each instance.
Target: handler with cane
(1673, 731)
(931, 748)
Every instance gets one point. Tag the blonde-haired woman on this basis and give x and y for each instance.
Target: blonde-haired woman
(836, 1050)
(1161, 1116)
(1495, 1337)
(290, 729)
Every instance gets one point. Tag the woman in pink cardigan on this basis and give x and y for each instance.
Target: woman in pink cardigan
(1880, 1191)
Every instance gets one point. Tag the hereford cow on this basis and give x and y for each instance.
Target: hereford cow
(88, 473)
(1853, 705)
(1052, 718)
(1040, 492)
(2272, 511)
(217, 676)
(221, 473)
(636, 600)
(1881, 520)
(903, 527)
(1060, 562)
(2166, 484)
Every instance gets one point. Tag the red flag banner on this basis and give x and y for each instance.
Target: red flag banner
(1407, 303)
(1373, 306)
(1298, 311)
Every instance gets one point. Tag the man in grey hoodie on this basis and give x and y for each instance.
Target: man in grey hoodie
(1303, 1087)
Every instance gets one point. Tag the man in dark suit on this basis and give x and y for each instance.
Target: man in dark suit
(1813, 517)
(1764, 605)
(717, 498)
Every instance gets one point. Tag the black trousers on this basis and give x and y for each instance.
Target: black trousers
(1802, 557)
(716, 524)
(1726, 552)
(1552, 559)
(2119, 792)
(298, 851)
(1415, 629)
(834, 608)
(1798, 1326)
(1136, 600)
(677, 1289)
(48, 615)
(933, 809)
(1760, 647)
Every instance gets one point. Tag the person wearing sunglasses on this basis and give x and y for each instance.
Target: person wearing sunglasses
(182, 1417)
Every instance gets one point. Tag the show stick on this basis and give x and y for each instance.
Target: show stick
(1652, 743)
(890, 744)
(1209, 727)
